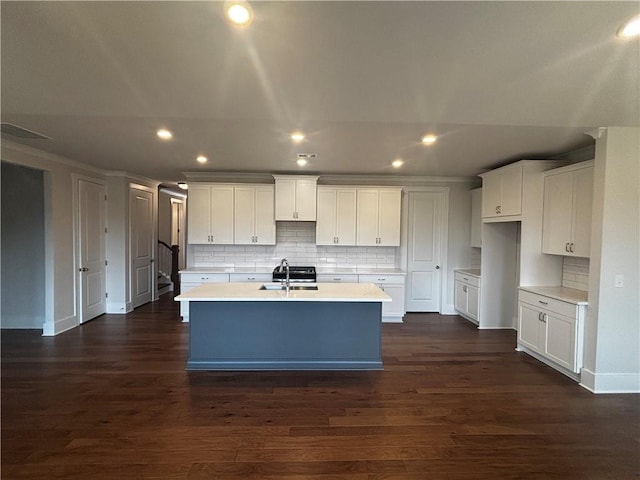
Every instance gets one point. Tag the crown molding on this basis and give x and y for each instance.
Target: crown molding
(243, 177)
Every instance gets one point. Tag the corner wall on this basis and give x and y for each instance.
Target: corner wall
(612, 333)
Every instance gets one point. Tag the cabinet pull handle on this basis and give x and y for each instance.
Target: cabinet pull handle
(543, 303)
(382, 279)
(571, 247)
(539, 316)
(336, 279)
(566, 247)
(337, 239)
(466, 278)
(544, 318)
(464, 288)
(251, 278)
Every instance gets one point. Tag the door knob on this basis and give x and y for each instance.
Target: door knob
(83, 269)
(437, 267)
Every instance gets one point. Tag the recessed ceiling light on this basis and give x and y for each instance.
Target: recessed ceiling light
(397, 163)
(164, 134)
(202, 159)
(297, 136)
(183, 185)
(301, 162)
(630, 29)
(239, 13)
(429, 139)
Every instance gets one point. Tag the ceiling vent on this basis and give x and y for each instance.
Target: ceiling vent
(307, 156)
(19, 132)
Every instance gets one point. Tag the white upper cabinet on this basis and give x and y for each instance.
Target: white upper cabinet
(295, 198)
(378, 216)
(254, 215)
(210, 214)
(476, 217)
(568, 193)
(336, 221)
(502, 192)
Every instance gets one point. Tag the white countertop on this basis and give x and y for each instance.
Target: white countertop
(320, 270)
(474, 272)
(570, 295)
(250, 292)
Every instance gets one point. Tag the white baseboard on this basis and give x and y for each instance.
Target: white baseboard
(610, 382)
(49, 329)
(392, 319)
(448, 309)
(19, 322)
(118, 307)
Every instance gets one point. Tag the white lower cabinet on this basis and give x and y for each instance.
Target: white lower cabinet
(193, 280)
(551, 329)
(251, 277)
(392, 285)
(466, 297)
(337, 278)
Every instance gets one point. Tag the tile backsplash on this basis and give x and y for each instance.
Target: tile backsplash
(295, 241)
(575, 273)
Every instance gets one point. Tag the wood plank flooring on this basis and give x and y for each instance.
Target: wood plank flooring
(111, 400)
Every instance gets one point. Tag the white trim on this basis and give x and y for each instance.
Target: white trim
(50, 329)
(52, 157)
(118, 308)
(610, 382)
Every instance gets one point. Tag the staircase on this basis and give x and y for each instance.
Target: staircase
(168, 278)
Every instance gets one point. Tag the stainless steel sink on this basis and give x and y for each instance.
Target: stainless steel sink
(276, 286)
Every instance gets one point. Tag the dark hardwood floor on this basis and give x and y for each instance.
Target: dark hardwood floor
(111, 400)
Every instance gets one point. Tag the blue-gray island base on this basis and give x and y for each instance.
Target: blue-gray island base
(268, 335)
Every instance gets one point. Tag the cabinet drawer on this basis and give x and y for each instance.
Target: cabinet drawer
(468, 279)
(250, 277)
(337, 278)
(547, 303)
(203, 277)
(387, 279)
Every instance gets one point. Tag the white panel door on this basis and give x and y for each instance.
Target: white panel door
(141, 231)
(424, 252)
(92, 270)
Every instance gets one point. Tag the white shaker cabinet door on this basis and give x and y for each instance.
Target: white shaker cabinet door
(326, 220)
(583, 199)
(199, 215)
(558, 197)
(222, 213)
(389, 218)
(306, 200)
(367, 217)
(244, 218)
(265, 224)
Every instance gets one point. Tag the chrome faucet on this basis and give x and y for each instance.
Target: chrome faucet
(285, 264)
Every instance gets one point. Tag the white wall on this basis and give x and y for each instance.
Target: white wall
(23, 247)
(60, 263)
(60, 291)
(612, 334)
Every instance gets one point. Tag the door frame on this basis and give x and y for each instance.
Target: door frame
(154, 240)
(77, 260)
(444, 238)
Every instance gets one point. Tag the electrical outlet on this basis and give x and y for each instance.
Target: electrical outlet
(619, 281)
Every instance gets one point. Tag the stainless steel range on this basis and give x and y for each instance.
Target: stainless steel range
(296, 274)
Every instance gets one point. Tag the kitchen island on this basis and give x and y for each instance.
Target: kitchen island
(239, 326)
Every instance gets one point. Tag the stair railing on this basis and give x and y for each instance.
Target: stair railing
(168, 263)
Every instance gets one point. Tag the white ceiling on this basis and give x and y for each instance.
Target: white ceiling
(498, 81)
